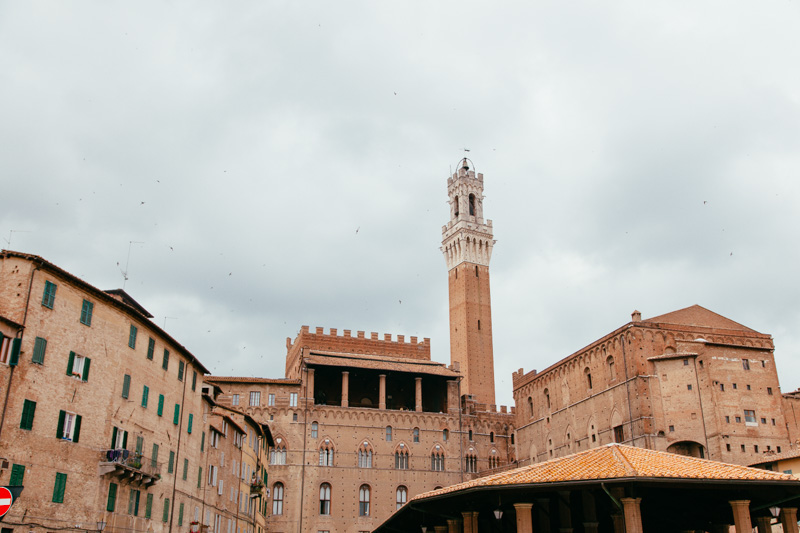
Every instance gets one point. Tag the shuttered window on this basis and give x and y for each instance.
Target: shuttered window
(145, 394)
(59, 487)
(49, 296)
(17, 475)
(112, 497)
(160, 405)
(151, 348)
(176, 417)
(132, 337)
(126, 385)
(28, 410)
(39, 347)
(86, 313)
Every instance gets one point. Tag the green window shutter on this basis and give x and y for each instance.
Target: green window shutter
(189, 425)
(181, 367)
(39, 347)
(86, 363)
(202, 441)
(13, 359)
(136, 503)
(199, 476)
(77, 431)
(113, 437)
(194, 379)
(160, 405)
(70, 362)
(60, 426)
(49, 296)
(145, 394)
(165, 515)
(125, 439)
(148, 506)
(151, 348)
(126, 385)
(130, 501)
(112, 497)
(171, 462)
(176, 417)
(154, 459)
(180, 515)
(165, 362)
(59, 487)
(86, 313)
(28, 410)
(18, 475)
(185, 468)
(139, 445)
(132, 337)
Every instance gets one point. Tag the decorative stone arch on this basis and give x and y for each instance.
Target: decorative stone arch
(564, 392)
(616, 418)
(687, 447)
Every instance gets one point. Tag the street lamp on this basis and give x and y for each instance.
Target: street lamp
(101, 526)
(774, 511)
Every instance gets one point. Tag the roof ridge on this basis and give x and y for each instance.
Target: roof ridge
(618, 451)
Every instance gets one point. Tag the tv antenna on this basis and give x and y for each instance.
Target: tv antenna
(12, 232)
(125, 272)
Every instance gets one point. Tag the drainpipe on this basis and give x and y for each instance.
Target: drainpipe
(21, 334)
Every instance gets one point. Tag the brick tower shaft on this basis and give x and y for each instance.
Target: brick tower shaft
(467, 243)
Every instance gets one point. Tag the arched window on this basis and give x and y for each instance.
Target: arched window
(415, 432)
(491, 436)
(277, 456)
(470, 434)
(388, 433)
(314, 430)
(363, 500)
(471, 463)
(365, 455)
(437, 460)
(401, 496)
(530, 407)
(277, 498)
(401, 458)
(588, 374)
(445, 434)
(325, 499)
(455, 201)
(472, 205)
(326, 454)
(612, 372)
(547, 398)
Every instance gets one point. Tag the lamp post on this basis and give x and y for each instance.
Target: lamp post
(101, 525)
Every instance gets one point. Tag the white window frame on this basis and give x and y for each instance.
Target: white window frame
(255, 398)
(77, 366)
(68, 431)
(271, 400)
(235, 399)
(292, 399)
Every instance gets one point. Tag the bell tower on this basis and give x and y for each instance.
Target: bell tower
(467, 243)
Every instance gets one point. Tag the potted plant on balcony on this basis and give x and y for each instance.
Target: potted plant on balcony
(256, 486)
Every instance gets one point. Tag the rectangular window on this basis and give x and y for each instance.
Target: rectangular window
(619, 434)
(671, 429)
(199, 476)
(78, 366)
(203, 441)
(727, 447)
(181, 366)
(160, 411)
(185, 468)
(28, 410)
(722, 387)
(746, 364)
(148, 506)
(111, 504)
(689, 386)
(132, 337)
(59, 487)
(154, 458)
(750, 417)
(194, 379)
(743, 449)
(165, 515)
(189, 424)
(126, 385)
(235, 399)
(738, 419)
(39, 347)
(165, 361)
(769, 391)
(49, 296)
(271, 400)
(133, 502)
(151, 348)
(86, 313)
(177, 415)
(293, 399)
(69, 426)
(727, 419)
(17, 475)
(180, 514)
(255, 398)
(139, 445)
(145, 395)
(171, 463)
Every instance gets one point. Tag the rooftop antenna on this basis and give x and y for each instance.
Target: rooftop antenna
(125, 272)
(165, 321)
(11, 233)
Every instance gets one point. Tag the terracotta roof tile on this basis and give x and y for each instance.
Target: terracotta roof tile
(615, 461)
(244, 379)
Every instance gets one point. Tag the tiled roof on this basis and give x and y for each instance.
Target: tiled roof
(676, 355)
(397, 364)
(244, 379)
(616, 461)
(773, 457)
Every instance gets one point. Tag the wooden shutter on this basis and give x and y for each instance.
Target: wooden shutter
(70, 362)
(86, 363)
(112, 497)
(76, 433)
(60, 427)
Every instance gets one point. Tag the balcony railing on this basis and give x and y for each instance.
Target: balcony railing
(130, 466)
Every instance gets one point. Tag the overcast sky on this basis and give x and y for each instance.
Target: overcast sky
(284, 163)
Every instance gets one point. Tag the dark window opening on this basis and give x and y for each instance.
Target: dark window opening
(746, 364)
(619, 434)
(472, 205)
(456, 205)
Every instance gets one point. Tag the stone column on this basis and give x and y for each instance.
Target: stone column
(468, 522)
(619, 522)
(454, 526)
(475, 522)
(764, 524)
(382, 392)
(345, 389)
(418, 407)
(788, 519)
(741, 516)
(633, 514)
(310, 387)
(564, 512)
(590, 523)
(524, 518)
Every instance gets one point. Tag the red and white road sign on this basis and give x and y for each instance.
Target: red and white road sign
(6, 499)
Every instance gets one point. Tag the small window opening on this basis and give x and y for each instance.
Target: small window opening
(472, 205)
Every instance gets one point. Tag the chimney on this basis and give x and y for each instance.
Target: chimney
(636, 316)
